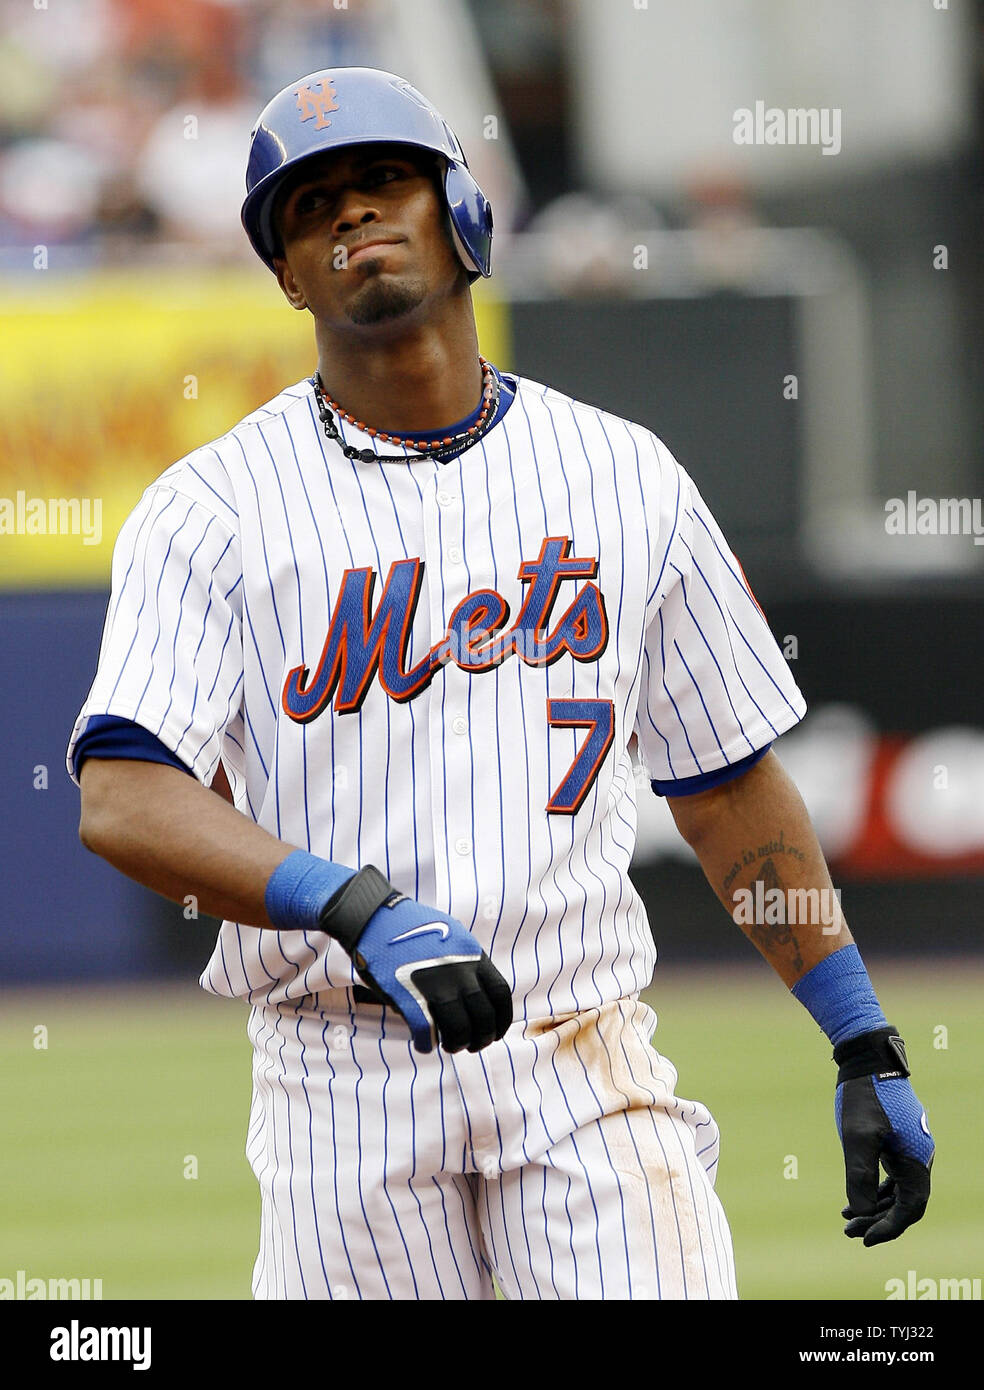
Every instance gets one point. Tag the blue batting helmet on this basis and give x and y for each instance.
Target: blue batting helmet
(358, 106)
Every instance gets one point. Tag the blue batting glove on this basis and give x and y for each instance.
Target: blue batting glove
(432, 970)
(880, 1119)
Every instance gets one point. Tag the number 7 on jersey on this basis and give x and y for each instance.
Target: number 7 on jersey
(597, 716)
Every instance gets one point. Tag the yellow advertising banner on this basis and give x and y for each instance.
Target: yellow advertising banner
(107, 379)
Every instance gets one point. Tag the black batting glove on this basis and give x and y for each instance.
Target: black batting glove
(881, 1121)
(421, 962)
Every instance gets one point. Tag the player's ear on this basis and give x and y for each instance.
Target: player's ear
(285, 279)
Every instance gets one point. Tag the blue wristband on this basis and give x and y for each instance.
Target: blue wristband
(839, 995)
(300, 888)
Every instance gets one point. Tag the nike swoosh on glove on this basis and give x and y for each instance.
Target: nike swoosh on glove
(431, 969)
(881, 1120)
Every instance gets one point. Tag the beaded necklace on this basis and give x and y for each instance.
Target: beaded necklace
(436, 448)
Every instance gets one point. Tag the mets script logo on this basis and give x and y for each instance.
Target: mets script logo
(311, 103)
(362, 641)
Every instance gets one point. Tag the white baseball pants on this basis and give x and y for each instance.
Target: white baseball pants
(558, 1160)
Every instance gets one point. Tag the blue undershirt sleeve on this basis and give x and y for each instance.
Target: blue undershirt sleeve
(107, 736)
(687, 786)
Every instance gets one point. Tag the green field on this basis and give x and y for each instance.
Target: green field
(99, 1127)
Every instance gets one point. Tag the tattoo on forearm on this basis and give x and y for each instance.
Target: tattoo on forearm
(769, 929)
(756, 855)
(775, 936)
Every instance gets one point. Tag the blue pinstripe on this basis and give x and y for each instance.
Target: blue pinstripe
(594, 1207)
(526, 1234)
(331, 727)
(290, 1163)
(324, 566)
(334, 1165)
(471, 746)
(387, 703)
(266, 562)
(361, 1150)
(385, 1186)
(413, 1161)
(205, 483)
(276, 1166)
(413, 721)
(512, 1074)
(724, 683)
(177, 626)
(676, 1218)
(727, 631)
(688, 1178)
(498, 742)
(618, 663)
(208, 609)
(547, 674)
(673, 529)
(522, 705)
(314, 1201)
(444, 693)
(141, 608)
(700, 696)
(150, 497)
(447, 1231)
(550, 775)
(741, 634)
(676, 708)
(700, 1240)
(594, 807)
(461, 1186)
(649, 1203)
(505, 1225)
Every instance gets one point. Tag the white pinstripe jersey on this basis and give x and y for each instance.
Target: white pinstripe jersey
(438, 668)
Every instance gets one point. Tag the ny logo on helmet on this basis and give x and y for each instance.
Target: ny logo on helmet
(312, 103)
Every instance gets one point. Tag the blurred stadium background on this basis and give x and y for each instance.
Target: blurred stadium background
(803, 331)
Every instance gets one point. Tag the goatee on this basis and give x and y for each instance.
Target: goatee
(380, 299)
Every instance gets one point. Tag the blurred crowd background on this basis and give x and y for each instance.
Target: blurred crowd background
(801, 326)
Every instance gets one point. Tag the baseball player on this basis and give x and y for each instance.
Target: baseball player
(413, 618)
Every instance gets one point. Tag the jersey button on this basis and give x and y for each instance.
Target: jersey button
(460, 724)
(463, 846)
(445, 499)
(454, 554)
